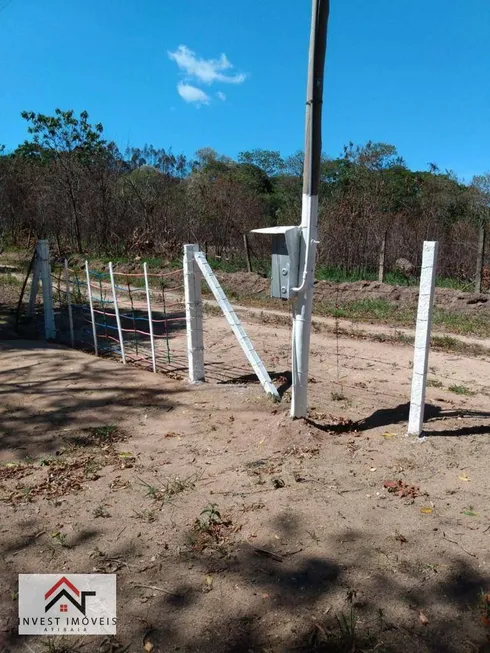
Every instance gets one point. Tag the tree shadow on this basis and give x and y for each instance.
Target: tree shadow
(284, 378)
(36, 404)
(390, 416)
(290, 587)
(289, 597)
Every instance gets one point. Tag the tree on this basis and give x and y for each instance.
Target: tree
(269, 161)
(62, 134)
(165, 161)
(68, 143)
(371, 175)
(66, 182)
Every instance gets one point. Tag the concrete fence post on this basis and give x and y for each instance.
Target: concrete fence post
(47, 287)
(91, 305)
(150, 317)
(116, 312)
(36, 271)
(193, 314)
(68, 302)
(422, 338)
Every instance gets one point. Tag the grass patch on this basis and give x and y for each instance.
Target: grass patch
(461, 390)
(153, 262)
(237, 263)
(446, 343)
(7, 279)
(454, 284)
(169, 489)
(212, 311)
(104, 433)
(339, 275)
(97, 436)
(462, 323)
(367, 310)
(145, 515)
(101, 511)
(383, 311)
(348, 634)
(434, 383)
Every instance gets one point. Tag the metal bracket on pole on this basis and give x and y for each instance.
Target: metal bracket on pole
(422, 338)
(237, 328)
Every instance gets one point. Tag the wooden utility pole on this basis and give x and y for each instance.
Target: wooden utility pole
(303, 303)
(480, 256)
(247, 252)
(381, 260)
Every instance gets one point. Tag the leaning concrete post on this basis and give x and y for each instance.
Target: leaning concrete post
(193, 314)
(36, 275)
(422, 338)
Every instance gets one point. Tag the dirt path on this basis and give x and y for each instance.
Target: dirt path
(121, 463)
(358, 328)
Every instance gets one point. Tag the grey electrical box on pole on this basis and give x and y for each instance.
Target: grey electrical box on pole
(285, 259)
(294, 248)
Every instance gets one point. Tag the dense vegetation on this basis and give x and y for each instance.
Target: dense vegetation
(68, 183)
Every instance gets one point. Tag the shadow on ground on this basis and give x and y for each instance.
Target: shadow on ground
(286, 610)
(97, 394)
(389, 416)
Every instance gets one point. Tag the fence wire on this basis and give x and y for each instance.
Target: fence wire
(166, 314)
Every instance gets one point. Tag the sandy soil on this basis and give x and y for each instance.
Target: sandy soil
(410, 566)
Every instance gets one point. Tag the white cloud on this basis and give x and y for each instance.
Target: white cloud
(192, 94)
(221, 96)
(206, 71)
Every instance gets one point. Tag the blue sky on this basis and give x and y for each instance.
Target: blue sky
(414, 73)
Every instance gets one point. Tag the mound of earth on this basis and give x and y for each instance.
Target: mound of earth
(249, 284)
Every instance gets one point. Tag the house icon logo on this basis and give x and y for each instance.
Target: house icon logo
(67, 590)
(67, 604)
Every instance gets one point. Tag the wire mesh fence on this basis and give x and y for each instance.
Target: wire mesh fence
(140, 317)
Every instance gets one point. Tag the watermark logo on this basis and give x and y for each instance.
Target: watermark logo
(51, 604)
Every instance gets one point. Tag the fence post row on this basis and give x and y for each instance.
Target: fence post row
(195, 265)
(91, 304)
(193, 314)
(422, 338)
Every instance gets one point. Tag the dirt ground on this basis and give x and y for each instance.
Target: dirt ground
(232, 527)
